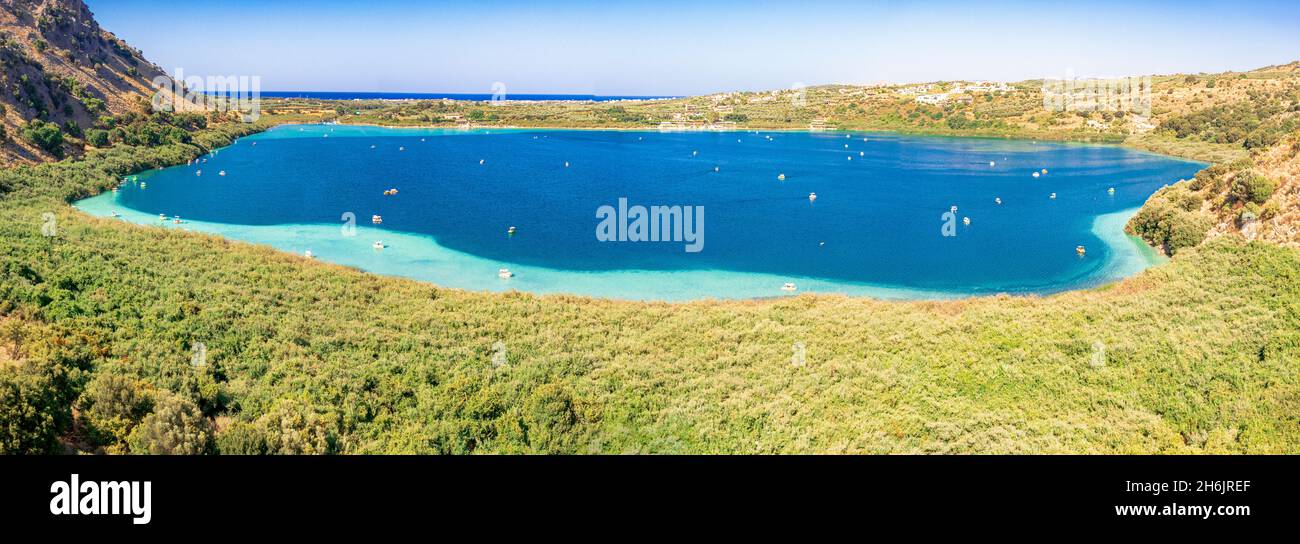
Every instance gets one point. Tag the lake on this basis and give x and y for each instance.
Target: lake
(877, 226)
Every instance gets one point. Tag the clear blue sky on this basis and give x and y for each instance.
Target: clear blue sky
(672, 47)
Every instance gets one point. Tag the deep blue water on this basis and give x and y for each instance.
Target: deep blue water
(347, 95)
(877, 218)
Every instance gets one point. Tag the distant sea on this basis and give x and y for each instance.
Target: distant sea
(479, 97)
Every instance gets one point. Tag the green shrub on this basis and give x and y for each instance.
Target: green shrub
(176, 427)
(97, 137)
(28, 408)
(1170, 220)
(293, 428)
(242, 438)
(44, 135)
(111, 407)
(1252, 187)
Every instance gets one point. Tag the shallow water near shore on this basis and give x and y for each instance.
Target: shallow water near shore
(875, 229)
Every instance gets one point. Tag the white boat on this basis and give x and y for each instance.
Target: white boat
(789, 286)
(1053, 197)
(376, 219)
(510, 231)
(992, 163)
(378, 245)
(965, 221)
(481, 161)
(505, 273)
(1111, 190)
(1035, 174)
(781, 177)
(221, 173)
(307, 254)
(997, 201)
(812, 197)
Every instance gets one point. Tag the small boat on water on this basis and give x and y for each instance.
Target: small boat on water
(953, 209)
(308, 254)
(198, 173)
(143, 185)
(715, 168)
(812, 197)
(1053, 197)
(221, 173)
(965, 221)
(1110, 190)
(162, 217)
(378, 245)
(1080, 250)
(390, 192)
(789, 286)
(1044, 171)
(993, 163)
(781, 177)
(850, 157)
(505, 273)
(1036, 174)
(115, 214)
(510, 231)
(566, 164)
(997, 200)
(401, 148)
(376, 219)
(481, 161)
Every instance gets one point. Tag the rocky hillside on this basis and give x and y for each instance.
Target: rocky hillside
(1257, 197)
(59, 72)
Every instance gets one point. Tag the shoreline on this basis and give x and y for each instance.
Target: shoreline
(1127, 257)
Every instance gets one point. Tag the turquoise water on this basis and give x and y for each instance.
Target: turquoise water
(876, 227)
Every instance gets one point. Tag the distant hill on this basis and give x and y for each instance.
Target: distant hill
(58, 66)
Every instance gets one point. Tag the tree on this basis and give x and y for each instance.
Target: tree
(97, 137)
(111, 406)
(1252, 187)
(44, 135)
(28, 408)
(14, 331)
(176, 427)
(293, 428)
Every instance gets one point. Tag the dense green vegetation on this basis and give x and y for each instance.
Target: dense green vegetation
(1171, 219)
(300, 356)
(1257, 123)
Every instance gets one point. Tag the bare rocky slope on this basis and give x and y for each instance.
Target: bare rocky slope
(58, 66)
